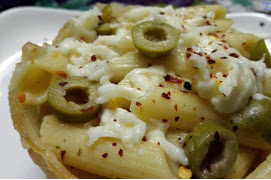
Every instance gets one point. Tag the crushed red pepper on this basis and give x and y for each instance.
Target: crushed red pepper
(120, 153)
(164, 95)
(63, 83)
(176, 107)
(105, 155)
(93, 58)
(61, 74)
(172, 79)
(234, 55)
(176, 118)
(138, 104)
(21, 97)
(62, 153)
(164, 120)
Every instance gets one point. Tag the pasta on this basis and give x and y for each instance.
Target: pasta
(145, 92)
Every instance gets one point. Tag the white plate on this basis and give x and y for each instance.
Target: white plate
(20, 25)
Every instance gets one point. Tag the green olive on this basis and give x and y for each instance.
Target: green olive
(105, 29)
(259, 50)
(73, 99)
(106, 13)
(154, 40)
(257, 116)
(211, 150)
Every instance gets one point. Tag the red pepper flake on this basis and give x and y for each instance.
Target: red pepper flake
(138, 104)
(162, 13)
(93, 58)
(120, 152)
(158, 143)
(115, 120)
(211, 76)
(168, 93)
(208, 23)
(164, 95)
(100, 18)
(195, 67)
(105, 155)
(202, 118)
(153, 100)
(80, 67)
(21, 97)
(225, 47)
(210, 42)
(114, 144)
(223, 57)
(198, 53)
(188, 55)
(176, 107)
(204, 17)
(224, 41)
(62, 153)
(223, 35)
(213, 34)
(57, 46)
(164, 120)
(214, 51)
(211, 61)
(254, 72)
(225, 75)
(144, 138)
(160, 85)
(91, 108)
(189, 49)
(176, 118)
(172, 79)
(82, 39)
(61, 74)
(139, 89)
(234, 55)
(63, 83)
(187, 85)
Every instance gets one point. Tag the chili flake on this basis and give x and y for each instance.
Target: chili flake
(211, 61)
(120, 152)
(105, 155)
(61, 74)
(93, 58)
(114, 144)
(63, 83)
(223, 57)
(214, 51)
(21, 97)
(176, 118)
(164, 120)
(188, 55)
(234, 55)
(138, 104)
(164, 95)
(62, 153)
(176, 107)
(172, 79)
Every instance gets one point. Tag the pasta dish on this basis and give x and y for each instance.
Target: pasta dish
(146, 92)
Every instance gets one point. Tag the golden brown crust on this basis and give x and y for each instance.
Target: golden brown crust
(25, 122)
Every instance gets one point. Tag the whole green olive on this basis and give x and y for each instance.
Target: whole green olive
(154, 40)
(257, 116)
(73, 99)
(211, 150)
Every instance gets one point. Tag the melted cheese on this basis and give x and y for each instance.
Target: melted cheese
(119, 124)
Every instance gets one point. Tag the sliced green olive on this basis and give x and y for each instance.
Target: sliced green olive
(105, 29)
(154, 40)
(211, 150)
(106, 13)
(257, 116)
(73, 99)
(259, 50)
